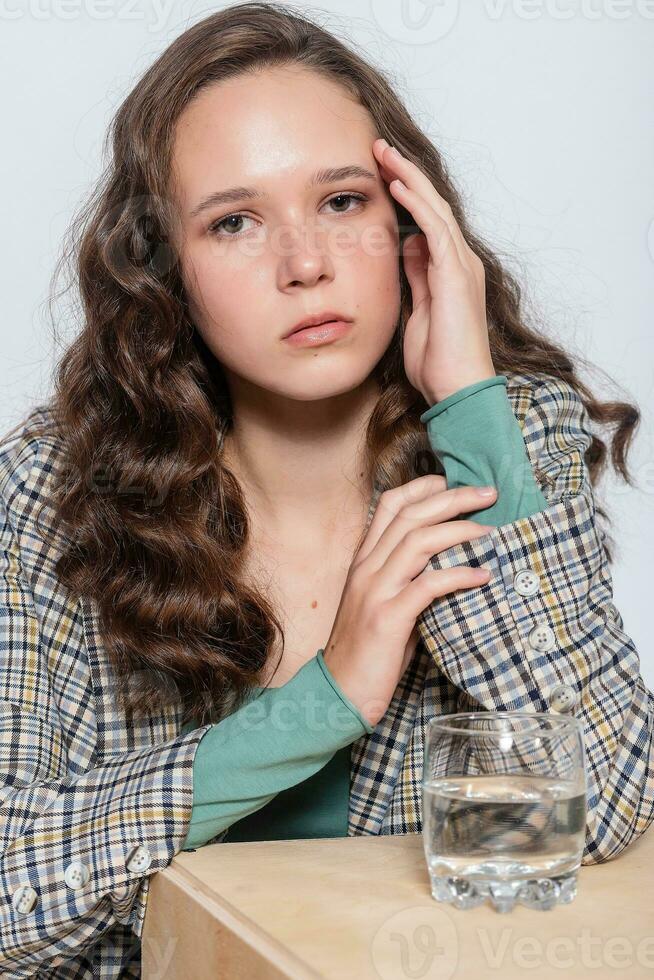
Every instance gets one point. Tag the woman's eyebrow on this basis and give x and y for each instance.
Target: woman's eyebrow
(327, 175)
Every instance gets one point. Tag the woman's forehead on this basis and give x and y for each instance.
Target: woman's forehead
(265, 126)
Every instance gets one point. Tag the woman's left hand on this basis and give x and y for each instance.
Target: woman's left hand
(446, 343)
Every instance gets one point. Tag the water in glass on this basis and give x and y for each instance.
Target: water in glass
(504, 809)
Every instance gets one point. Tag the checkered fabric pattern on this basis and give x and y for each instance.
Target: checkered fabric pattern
(91, 806)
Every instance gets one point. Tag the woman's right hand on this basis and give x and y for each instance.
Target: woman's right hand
(391, 581)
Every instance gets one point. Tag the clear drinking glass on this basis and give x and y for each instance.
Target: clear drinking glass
(504, 808)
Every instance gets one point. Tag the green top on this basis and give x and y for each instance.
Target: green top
(258, 755)
(290, 778)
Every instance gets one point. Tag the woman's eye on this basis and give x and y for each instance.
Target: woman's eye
(230, 217)
(346, 197)
(234, 233)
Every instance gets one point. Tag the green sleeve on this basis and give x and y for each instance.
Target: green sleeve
(478, 439)
(278, 739)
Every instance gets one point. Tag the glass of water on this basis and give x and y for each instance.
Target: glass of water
(504, 808)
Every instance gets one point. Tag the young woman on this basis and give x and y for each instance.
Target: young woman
(241, 570)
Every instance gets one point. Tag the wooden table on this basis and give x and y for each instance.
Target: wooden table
(360, 907)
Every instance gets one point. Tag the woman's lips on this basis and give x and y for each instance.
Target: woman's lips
(323, 333)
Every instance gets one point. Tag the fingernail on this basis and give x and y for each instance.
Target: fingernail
(486, 491)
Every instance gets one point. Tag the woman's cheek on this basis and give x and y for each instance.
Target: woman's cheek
(377, 251)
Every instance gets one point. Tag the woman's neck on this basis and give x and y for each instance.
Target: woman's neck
(303, 476)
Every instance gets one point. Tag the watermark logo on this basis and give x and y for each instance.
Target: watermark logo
(420, 942)
(158, 954)
(415, 21)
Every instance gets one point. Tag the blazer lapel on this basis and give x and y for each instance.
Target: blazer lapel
(115, 734)
(377, 758)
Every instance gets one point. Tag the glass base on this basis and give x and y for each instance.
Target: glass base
(534, 893)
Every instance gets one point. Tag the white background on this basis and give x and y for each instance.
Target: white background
(543, 111)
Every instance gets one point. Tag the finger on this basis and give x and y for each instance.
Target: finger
(413, 553)
(442, 243)
(392, 501)
(433, 509)
(387, 175)
(418, 181)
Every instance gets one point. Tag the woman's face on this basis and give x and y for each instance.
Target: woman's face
(253, 266)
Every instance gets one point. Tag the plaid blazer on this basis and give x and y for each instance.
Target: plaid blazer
(91, 806)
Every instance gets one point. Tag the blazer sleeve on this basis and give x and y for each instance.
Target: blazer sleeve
(76, 851)
(544, 634)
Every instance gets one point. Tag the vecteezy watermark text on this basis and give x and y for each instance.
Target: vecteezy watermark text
(419, 22)
(430, 940)
(156, 13)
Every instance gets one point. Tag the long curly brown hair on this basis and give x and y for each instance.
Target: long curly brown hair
(157, 524)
